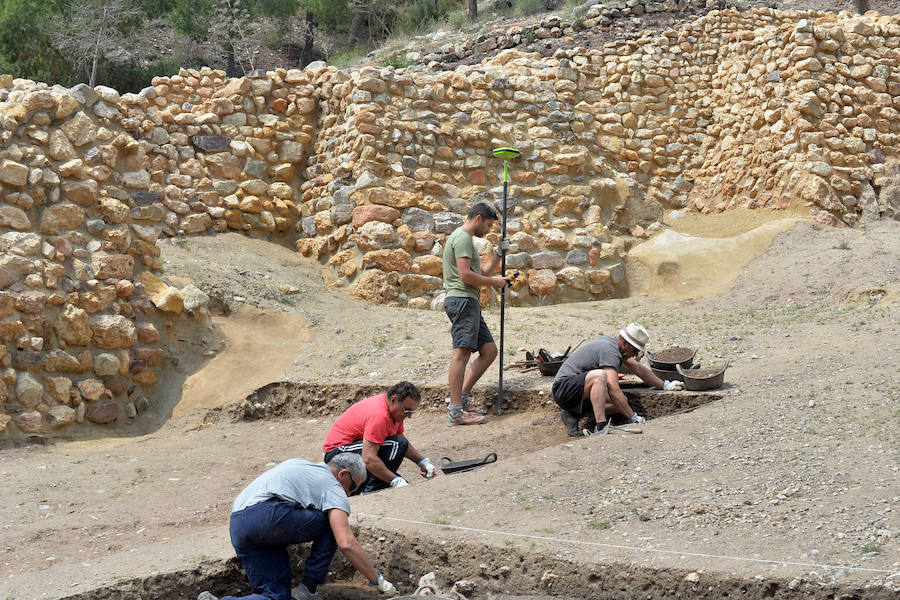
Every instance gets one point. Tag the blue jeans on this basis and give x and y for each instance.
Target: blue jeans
(260, 535)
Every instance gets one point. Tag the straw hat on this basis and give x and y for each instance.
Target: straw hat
(635, 335)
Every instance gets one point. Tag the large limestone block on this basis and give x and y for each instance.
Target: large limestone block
(106, 364)
(113, 331)
(60, 416)
(14, 218)
(83, 192)
(375, 235)
(29, 421)
(59, 361)
(23, 244)
(417, 285)
(374, 212)
(91, 389)
(103, 413)
(13, 268)
(197, 223)
(10, 331)
(430, 265)
(139, 179)
(235, 87)
(224, 165)
(572, 277)
(377, 286)
(31, 302)
(60, 218)
(163, 296)
(80, 129)
(29, 390)
(541, 282)
(114, 211)
(388, 260)
(58, 388)
(112, 266)
(195, 299)
(13, 173)
(292, 152)
(7, 305)
(552, 238)
(73, 326)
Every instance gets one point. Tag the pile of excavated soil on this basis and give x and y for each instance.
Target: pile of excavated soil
(787, 486)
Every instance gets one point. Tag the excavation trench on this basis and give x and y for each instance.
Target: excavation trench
(480, 562)
(291, 399)
(490, 572)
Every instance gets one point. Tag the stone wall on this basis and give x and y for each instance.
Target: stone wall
(368, 170)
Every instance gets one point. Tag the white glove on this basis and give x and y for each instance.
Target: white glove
(673, 386)
(384, 586)
(427, 468)
(395, 483)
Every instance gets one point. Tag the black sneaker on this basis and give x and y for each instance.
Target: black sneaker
(603, 428)
(571, 422)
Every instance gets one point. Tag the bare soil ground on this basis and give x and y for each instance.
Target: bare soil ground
(788, 485)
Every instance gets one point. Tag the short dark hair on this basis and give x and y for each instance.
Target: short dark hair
(404, 390)
(483, 210)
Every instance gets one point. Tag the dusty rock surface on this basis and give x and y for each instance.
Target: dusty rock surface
(788, 485)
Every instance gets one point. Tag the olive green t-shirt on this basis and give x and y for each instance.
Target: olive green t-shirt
(460, 245)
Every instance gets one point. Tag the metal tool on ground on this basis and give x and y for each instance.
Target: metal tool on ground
(612, 429)
(548, 364)
(507, 154)
(448, 465)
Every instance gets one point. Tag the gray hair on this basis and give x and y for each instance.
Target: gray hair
(352, 462)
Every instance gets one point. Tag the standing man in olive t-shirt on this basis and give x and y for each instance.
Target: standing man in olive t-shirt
(463, 281)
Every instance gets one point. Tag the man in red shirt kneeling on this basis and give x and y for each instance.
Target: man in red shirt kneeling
(373, 427)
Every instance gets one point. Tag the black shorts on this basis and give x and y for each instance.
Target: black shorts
(568, 393)
(469, 329)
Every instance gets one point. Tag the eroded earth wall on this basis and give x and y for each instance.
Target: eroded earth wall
(367, 170)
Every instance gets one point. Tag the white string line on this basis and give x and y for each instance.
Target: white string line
(623, 547)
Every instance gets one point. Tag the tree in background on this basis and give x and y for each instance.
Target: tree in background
(26, 49)
(88, 29)
(473, 10)
(228, 25)
(862, 6)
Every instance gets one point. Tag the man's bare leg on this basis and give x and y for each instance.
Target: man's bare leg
(486, 356)
(458, 361)
(595, 389)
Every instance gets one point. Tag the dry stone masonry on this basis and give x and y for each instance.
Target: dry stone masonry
(368, 170)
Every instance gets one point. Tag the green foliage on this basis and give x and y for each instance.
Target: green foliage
(329, 14)
(397, 61)
(457, 19)
(419, 16)
(348, 57)
(132, 78)
(193, 18)
(529, 7)
(156, 8)
(25, 47)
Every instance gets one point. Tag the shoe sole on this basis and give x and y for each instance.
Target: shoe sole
(457, 423)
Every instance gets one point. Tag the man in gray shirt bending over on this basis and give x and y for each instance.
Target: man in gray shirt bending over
(298, 501)
(589, 379)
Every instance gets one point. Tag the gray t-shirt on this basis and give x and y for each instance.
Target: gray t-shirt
(308, 484)
(602, 352)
